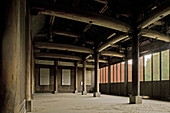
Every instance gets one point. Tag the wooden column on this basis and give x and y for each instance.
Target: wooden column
(126, 77)
(10, 56)
(96, 76)
(169, 74)
(75, 79)
(32, 74)
(55, 78)
(135, 98)
(109, 77)
(28, 62)
(84, 92)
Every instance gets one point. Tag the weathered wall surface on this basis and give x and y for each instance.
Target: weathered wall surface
(12, 52)
(61, 88)
(155, 89)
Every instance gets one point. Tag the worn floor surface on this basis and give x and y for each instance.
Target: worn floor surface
(77, 103)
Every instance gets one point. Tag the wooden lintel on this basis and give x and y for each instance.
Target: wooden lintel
(57, 56)
(64, 47)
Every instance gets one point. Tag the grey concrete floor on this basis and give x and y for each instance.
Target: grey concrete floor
(77, 103)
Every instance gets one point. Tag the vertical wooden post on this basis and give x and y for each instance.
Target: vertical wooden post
(55, 78)
(32, 74)
(84, 92)
(96, 79)
(109, 78)
(135, 98)
(10, 56)
(75, 78)
(28, 63)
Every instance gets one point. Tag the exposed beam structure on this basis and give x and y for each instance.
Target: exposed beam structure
(111, 53)
(155, 34)
(100, 60)
(101, 1)
(64, 47)
(155, 17)
(66, 33)
(111, 42)
(58, 56)
(83, 16)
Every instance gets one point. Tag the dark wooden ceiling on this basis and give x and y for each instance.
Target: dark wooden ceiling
(90, 35)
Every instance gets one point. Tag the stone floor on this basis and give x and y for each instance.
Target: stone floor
(77, 103)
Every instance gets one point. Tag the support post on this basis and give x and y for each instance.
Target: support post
(109, 77)
(32, 75)
(96, 79)
(135, 98)
(84, 92)
(29, 103)
(75, 78)
(55, 78)
(11, 56)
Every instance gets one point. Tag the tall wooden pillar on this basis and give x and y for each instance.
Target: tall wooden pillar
(135, 98)
(32, 74)
(10, 55)
(29, 105)
(55, 78)
(96, 79)
(75, 79)
(84, 92)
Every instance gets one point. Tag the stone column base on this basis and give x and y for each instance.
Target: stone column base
(135, 99)
(55, 92)
(96, 94)
(32, 96)
(84, 93)
(76, 91)
(29, 105)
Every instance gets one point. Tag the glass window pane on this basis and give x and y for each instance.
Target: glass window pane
(165, 65)
(111, 73)
(129, 70)
(141, 68)
(115, 74)
(118, 72)
(156, 66)
(122, 71)
(147, 67)
(107, 74)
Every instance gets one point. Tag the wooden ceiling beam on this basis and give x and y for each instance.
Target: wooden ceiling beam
(155, 17)
(63, 47)
(155, 34)
(66, 33)
(100, 60)
(57, 56)
(83, 16)
(111, 53)
(111, 42)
